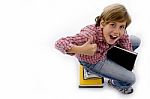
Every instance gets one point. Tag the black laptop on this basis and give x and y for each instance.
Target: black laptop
(122, 57)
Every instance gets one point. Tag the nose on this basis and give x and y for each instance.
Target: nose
(116, 31)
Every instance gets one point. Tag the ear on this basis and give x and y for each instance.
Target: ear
(102, 24)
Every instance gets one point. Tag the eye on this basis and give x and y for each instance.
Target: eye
(112, 25)
(122, 27)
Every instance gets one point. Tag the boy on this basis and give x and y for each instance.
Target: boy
(92, 43)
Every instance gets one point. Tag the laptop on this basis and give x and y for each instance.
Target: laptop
(122, 57)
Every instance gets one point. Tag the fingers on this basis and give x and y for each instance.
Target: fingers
(94, 48)
(89, 48)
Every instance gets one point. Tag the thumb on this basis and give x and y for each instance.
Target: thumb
(90, 40)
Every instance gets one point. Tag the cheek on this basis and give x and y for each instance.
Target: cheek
(122, 33)
(106, 31)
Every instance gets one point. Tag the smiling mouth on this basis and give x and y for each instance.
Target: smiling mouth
(113, 37)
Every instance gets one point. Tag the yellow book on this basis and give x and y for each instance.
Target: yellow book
(89, 80)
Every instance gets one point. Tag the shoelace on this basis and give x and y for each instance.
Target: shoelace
(126, 91)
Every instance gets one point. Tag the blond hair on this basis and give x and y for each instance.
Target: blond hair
(114, 12)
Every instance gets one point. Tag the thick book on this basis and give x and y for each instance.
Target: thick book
(122, 57)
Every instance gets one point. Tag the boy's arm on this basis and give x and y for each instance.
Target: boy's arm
(78, 44)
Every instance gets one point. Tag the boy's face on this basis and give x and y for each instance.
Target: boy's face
(113, 31)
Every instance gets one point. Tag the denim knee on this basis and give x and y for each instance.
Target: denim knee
(135, 41)
(131, 79)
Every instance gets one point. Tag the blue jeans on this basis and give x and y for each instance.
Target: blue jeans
(121, 77)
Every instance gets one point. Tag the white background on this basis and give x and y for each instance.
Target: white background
(30, 66)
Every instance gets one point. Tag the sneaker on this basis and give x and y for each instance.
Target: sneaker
(124, 91)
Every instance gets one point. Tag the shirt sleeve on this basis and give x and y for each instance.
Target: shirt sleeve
(125, 42)
(66, 43)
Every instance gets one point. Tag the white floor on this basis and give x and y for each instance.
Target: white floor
(30, 66)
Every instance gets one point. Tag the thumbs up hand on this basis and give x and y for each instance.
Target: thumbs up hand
(88, 48)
